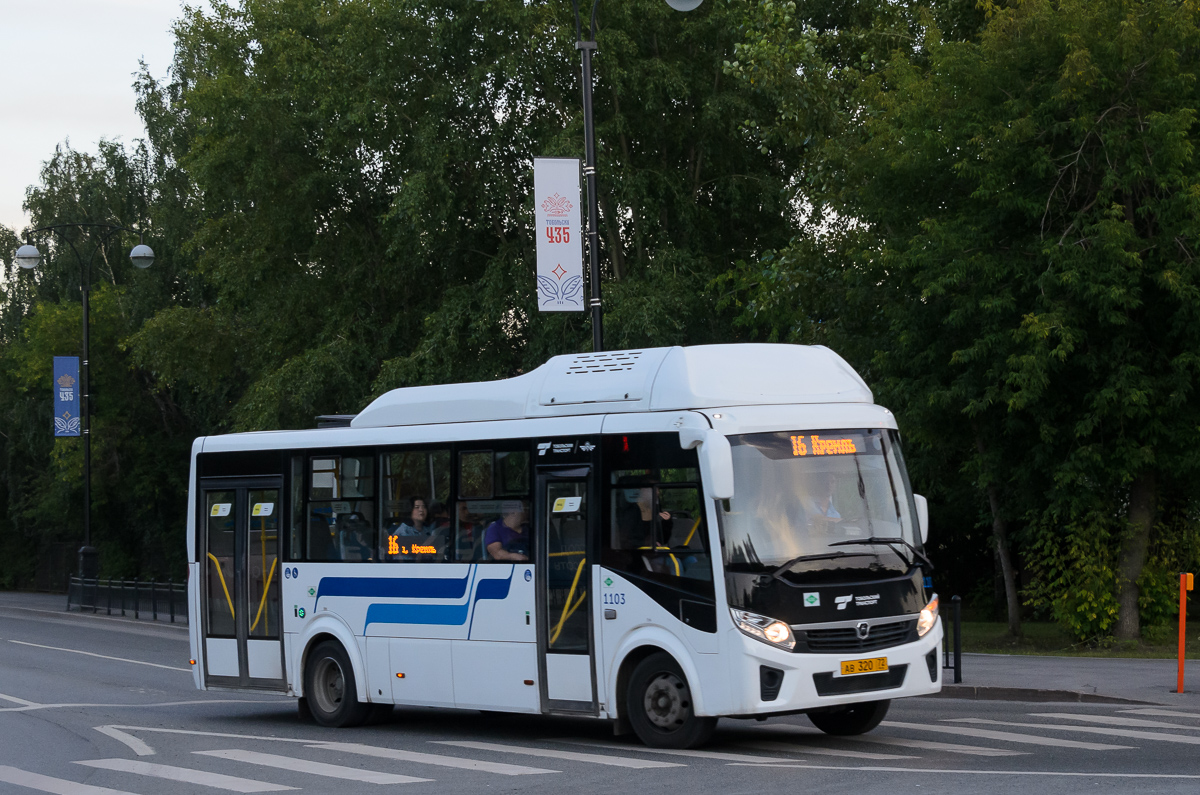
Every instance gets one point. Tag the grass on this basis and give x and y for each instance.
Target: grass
(1050, 639)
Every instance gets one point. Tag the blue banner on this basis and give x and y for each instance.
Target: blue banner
(66, 395)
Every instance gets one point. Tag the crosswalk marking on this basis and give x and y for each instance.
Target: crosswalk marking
(901, 742)
(809, 749)
(1162, 713)
(1114, 720)
(432, 759)
(930, 770)
(1129, 734)
(137, 746)
(937, 745)
(720, 756)
(311, 767)
(56, 786)
(1011, 737)
(185, 775)
(551, 753)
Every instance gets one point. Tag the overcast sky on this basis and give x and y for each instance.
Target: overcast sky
(67, 74)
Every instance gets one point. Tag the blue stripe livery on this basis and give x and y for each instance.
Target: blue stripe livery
(417, 588)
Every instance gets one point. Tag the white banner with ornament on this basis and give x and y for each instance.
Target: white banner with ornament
(559, 241)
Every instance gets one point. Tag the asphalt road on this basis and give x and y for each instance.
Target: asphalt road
(93, 706)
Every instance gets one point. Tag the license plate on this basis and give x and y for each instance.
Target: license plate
(870, 665)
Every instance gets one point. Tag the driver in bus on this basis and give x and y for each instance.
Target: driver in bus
(507, 538)
(818, 502)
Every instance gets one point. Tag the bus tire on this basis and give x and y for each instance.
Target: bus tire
(659, 704)
(329, 688)
(850, 719)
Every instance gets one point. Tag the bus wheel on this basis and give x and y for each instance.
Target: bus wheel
(659, 705)
(329, 688)
(850, 719)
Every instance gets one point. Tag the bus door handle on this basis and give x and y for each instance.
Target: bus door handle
(609, 613)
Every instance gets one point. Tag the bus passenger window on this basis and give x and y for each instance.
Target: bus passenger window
(493, 504)
(296, 537)
(416, 525)
(340, 511)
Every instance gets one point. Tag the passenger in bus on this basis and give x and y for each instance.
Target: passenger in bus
(636, 520)
(352, 530)
(507, 538)
(439, 515)
(416, 524)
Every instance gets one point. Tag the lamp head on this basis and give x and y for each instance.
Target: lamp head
(684, 5)
(28, 257)
(142, 256)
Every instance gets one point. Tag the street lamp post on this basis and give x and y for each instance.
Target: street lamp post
(28, 258)
(586, 47)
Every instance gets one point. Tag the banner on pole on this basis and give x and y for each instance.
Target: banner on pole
(66, 395)
(559, 243)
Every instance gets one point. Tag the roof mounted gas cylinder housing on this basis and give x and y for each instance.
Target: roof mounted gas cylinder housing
(646, 379)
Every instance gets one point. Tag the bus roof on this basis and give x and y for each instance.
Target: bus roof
(646, 379)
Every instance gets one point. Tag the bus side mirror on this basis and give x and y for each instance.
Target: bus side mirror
(716, 459)
(922, 517)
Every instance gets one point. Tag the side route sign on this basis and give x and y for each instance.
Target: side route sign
(558, 230)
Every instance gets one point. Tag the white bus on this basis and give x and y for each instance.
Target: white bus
(655, 537)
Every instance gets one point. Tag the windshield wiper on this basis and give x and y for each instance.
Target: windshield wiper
(890, 543)
(825, 556)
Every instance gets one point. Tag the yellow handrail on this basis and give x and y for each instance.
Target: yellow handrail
(266, 590)
(670, 554)
(694, 527)
(570, 594)
(224, 587)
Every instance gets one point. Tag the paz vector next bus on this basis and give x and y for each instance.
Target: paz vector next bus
(655, 537)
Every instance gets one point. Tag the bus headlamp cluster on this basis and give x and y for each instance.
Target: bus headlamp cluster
(768, 630)
(928, 617)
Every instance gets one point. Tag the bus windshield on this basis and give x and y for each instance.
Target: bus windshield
(804, 497)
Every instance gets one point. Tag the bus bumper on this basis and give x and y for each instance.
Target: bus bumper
(768, 681)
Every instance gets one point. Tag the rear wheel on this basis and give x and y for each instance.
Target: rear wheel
(329, 688)
(660, 706)
(850, 719)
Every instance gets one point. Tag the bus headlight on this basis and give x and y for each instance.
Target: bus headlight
(768, 630)
(928, 617)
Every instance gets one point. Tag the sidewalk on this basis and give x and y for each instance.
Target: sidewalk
(1015, 677)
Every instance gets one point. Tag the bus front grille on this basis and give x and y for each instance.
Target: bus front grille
(845, 639)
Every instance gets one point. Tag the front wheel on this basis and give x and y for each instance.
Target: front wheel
(850, 719)
(660, 707)
(329, 688)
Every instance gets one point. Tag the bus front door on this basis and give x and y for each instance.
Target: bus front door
(242, 624)
(564, 557)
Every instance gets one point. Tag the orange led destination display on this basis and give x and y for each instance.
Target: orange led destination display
(815, 445)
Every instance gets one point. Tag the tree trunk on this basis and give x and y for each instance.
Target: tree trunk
(1003, 553)
(1142, 499)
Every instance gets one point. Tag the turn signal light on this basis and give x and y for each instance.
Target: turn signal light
(192, 662)
(399, 676)
(928, 617)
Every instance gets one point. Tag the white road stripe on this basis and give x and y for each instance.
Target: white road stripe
(102, 656)
(57, 786)
(1128, 734)
(720, 756)
(137, 746)
(1162, 713)
(938, 745)
(20, 701)
(185, 775)
(1114, 720)
(550, 753)
(311, 767)
(923, 770)
(226, 735)
(1012, 737)
(79, 705)
(432, 759)
(902, 742)
(808, 749)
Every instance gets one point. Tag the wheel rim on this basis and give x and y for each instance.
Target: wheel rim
(329, 685)
(667, 701)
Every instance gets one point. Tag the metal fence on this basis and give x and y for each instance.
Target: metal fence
(158, 601)
(953, 641)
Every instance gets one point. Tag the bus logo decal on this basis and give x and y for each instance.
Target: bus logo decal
(842, 601)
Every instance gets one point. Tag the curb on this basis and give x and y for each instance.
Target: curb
(982, 693)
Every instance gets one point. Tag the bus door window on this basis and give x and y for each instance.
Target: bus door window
(263, 570)
(567, 612)
(341, 508)
(219, 510)
(298, 521)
